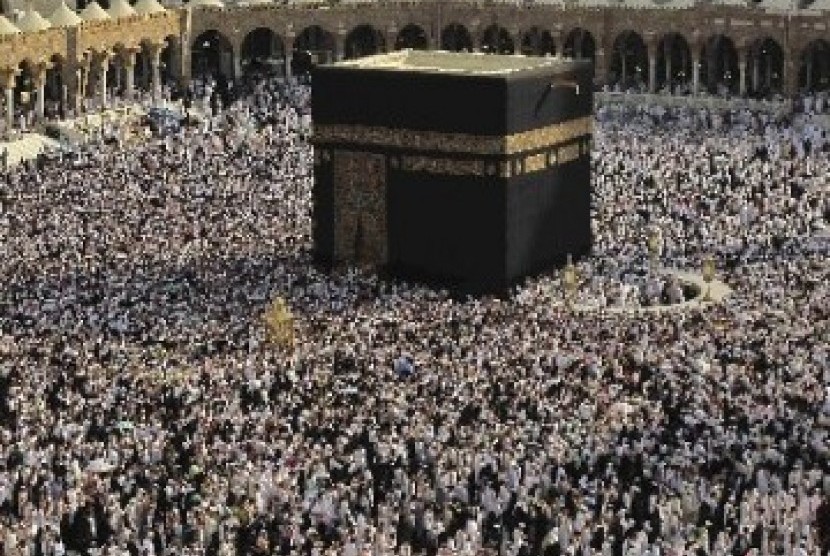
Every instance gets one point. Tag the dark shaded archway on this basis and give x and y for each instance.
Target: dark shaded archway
(538, 42)
(262, 52)
(364, 40)
(170, 62)
(314, 45)
(629, 62)
(456, 38)
(765, 68)
(719, 66)
(673, 71)
(24, 86)
(580, 44)
(211, 55)
(55, 95)
(412, 36)
(497, 40)
(814, 67)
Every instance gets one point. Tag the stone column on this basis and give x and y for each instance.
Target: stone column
(667, 56)
(40, 86)
(128, 59)
(288, 58)
(237, 63)
(789, 79)
(7, 76)
(185, 46)
(103, 69)
(340, 46)
(119, 77)
(742, 74)
(9, 109)
(756, 72)
(652, 71)
(155, 69)
(79, 89)
(601, 68)
(82, 75)
(696, 74)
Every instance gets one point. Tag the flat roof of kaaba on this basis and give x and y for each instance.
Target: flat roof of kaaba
(459, 63)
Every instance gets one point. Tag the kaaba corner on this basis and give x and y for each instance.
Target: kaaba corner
(467, 170)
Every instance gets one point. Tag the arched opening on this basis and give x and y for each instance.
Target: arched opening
(168, 67)
(412, 36)
(765, 65)
(719, 66)
(673, 69)
(456, 38)
(814, 67)
(314, 45)
(364, 40)
(113, 76)
(497, 40)
(118, 81)
(262, 53)
(170, 63)
(55, 94)
(629, 63)
(538, 42)
(211, 56)
(25, 90)
(580, 44)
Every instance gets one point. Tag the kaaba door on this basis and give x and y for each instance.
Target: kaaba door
(360, 207)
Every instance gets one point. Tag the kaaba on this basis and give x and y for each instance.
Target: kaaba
(466, 170)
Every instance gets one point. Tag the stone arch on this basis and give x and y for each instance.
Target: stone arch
(538, 42)
(262, 51)
(497, 40)
(169, 65)
(765, 67)
(211, 55)
(814, 66)
(719, 65)
(412, 36)
(363, 40)
(673, 62)
(456, 38)
(629, 62)
(313, 45)
(580, 43)
(117, 73)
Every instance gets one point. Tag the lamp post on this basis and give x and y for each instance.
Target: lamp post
(569, 280)
(708, 271)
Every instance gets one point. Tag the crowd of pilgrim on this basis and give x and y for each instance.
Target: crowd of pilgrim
(142, 412)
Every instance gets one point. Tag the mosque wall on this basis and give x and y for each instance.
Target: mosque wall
(736, 32)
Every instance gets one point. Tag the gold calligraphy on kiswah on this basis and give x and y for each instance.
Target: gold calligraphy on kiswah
(517, 143)
(569, 153)
(447, 166)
